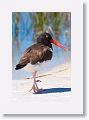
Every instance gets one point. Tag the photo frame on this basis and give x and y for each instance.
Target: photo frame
(65, 104)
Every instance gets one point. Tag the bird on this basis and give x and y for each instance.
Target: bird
(37, 54)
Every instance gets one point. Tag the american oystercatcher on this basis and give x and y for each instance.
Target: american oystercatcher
(37, 54)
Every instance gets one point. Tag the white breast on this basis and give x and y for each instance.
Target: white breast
(38, 67)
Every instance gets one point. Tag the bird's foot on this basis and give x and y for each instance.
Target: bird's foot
(38, 91)
(35, 89)
(38, 80)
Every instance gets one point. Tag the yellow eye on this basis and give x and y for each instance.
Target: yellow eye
(46, 36)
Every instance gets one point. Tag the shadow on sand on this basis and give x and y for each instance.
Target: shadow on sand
(54, 90)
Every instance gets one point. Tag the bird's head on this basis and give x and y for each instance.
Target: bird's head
(47, 39)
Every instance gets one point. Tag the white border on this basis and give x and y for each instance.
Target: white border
(73, 106)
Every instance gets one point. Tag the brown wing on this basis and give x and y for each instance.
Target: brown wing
(34, 54)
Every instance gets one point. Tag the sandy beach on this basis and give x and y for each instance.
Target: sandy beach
(55, 84)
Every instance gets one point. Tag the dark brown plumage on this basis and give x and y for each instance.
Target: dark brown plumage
(37, 53)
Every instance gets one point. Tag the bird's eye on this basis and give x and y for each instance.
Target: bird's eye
(46, 36)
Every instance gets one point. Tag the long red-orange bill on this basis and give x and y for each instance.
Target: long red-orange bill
(58, 44)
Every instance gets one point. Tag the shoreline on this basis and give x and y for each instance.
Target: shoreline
(59, 78)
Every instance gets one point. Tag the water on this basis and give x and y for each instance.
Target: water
(25, 39)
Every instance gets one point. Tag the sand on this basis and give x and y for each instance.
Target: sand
(56, 85)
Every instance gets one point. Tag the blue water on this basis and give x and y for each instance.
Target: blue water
(25, 37)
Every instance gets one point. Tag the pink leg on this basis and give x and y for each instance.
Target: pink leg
(34, 87)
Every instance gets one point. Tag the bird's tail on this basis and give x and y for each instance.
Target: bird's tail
(19, 66)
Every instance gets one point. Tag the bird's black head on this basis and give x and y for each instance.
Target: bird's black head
(46, 38)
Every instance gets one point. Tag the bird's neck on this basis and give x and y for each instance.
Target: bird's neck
(46, 44)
